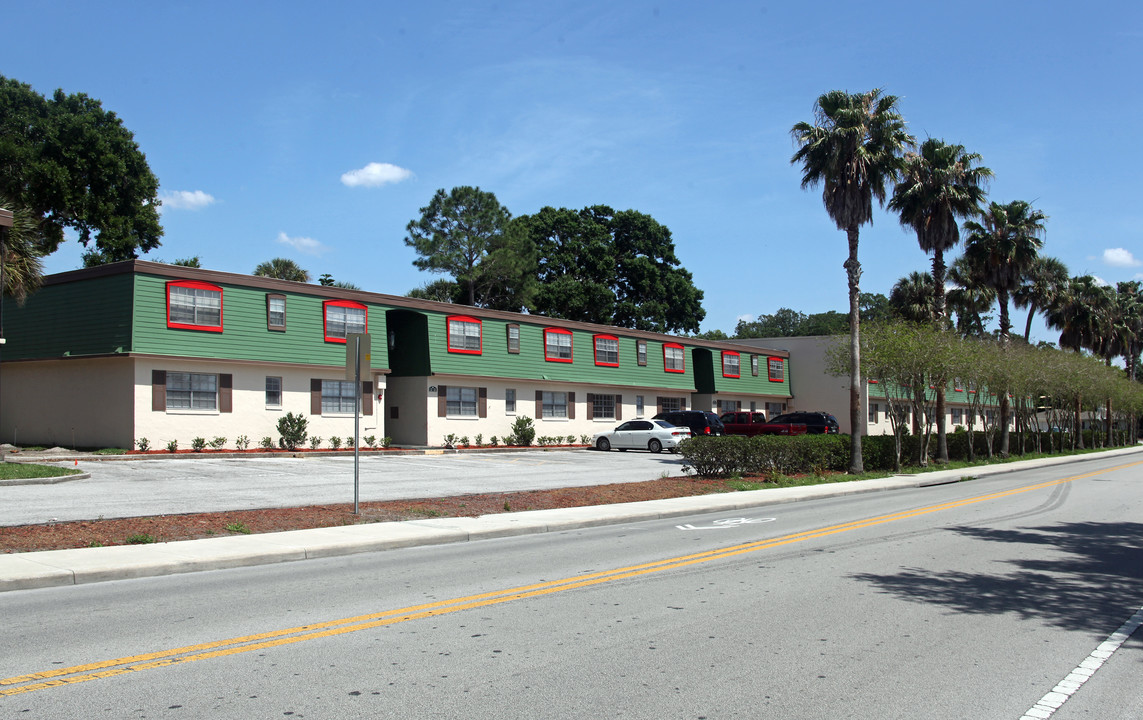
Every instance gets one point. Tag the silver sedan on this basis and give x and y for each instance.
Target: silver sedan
(653, 435)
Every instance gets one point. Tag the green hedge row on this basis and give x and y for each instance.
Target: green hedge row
(776, 454)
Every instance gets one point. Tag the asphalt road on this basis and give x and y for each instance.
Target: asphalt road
(970, 600)
(204, 484)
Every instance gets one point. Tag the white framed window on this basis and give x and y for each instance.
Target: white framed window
(773, 408)
(641, 352)
(957, 416)
(754, 365)
(554, 404)
(603, 407)
(343, 318)
(460, 401)
(672, 404)
(464, 335)
(873, 409)
(338, 397)
(639, 406)
(510, 401)
(514, 339)
(273, 392)
(192, 391)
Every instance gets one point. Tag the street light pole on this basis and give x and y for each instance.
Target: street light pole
(6, 222)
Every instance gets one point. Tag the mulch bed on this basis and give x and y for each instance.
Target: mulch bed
(166, 528)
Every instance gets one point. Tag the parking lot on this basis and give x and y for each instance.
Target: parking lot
(205, 484)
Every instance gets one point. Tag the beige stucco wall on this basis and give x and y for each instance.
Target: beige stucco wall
(82, 403)
(250, 416)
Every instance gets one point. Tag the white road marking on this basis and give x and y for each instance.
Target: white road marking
(1067, 687)
(726, 523)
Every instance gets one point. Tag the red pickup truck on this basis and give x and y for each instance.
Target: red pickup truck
(742, 422)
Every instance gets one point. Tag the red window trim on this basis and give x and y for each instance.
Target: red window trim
(340, 303)
(727, 353)
(558, 331)
(770, 375)
(198, 286)
(448, 334)
(674, 370)
(595, 349)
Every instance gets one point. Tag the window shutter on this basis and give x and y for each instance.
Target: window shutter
(590, 406)
(571, 406)
(315, 396)
(159, 390)
(225, 393)
(367, 397)
(618, 407)
(482, 402)
(539, 404)
(442, 400)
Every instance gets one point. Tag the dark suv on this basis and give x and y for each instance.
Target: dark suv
(700, 422)
(815, 422)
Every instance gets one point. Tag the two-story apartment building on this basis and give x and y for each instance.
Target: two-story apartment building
(105, 356)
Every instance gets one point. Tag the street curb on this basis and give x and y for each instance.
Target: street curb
(53, 568)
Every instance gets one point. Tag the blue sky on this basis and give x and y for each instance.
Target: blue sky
(317, 132)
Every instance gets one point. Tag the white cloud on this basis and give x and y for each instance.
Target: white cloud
(1100, 281)
(186, 200)
(1119, 257)
(375, 174)
(302, 244)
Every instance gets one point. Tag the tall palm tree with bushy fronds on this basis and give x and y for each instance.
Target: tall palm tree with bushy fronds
(1000, 249)
(282, 269)
(1130, 296)
(912, 298)
(941, 184)
(854, 148)
(1041, 287)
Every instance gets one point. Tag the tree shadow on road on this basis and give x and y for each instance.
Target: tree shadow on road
(1096, 575)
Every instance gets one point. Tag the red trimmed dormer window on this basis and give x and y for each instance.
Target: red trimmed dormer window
(464, 335)
(557, 345)
(607, 350)
(341, 318)
(193, 305)
(673, 358)
(730, 364)
(776, 369)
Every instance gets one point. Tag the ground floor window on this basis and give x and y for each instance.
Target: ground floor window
(554, 404)
(957, 416)
(873, 409)
(338, 396)
(603, 407)
(638, 406)
(192, 391)
(510, 401)
(773, 408)
(273, 392)
(461, 401)
(671, 404)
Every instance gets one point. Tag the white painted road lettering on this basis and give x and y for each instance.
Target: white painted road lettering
(726, 523)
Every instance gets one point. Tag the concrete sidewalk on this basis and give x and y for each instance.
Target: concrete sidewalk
(20, 571)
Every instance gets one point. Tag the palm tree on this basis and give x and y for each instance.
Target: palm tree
(1042, 286)
(1131, 304)
(969, 299)
(24, 246)
(283, 269)
(854, 149)
(1000, 249)
(941, 184)
(913, 299)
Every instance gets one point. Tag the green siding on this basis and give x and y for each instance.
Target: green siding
(530, 364)
(952, 394)
(87, 317)
(748, 383)
(245, 335)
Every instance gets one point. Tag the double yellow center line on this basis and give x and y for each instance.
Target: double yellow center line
(233, 646)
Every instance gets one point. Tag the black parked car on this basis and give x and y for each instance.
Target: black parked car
(700, 422)
(815, 422)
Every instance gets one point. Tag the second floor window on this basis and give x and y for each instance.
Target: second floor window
(464, 335)
(557, 345)
(194, 306)
(276, 312)
(673, 358)
(730, 364)
(606, 350)
(776, 369)
(343, 318)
